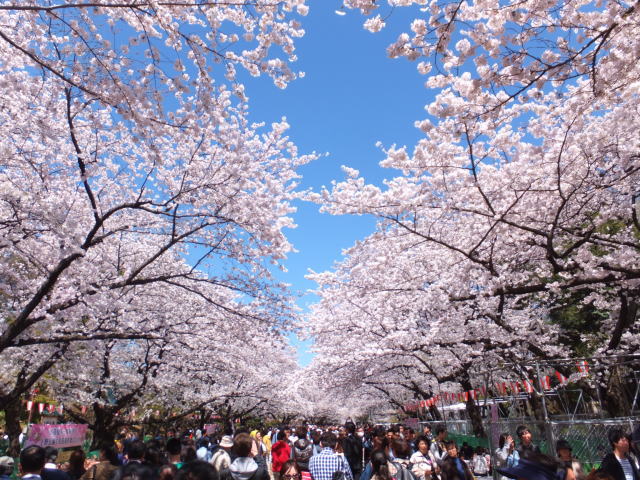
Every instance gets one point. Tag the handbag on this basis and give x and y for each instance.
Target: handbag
(339, 474)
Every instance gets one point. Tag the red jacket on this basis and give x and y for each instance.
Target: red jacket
(280, 453)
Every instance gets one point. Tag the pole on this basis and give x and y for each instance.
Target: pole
(33, 405)
(548, 429)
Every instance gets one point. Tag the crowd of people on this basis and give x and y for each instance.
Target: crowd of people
(347, 452)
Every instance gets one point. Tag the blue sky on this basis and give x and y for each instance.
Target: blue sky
(352, 96)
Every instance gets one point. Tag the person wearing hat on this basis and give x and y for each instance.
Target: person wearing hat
(221, 458)
(533, 466)
(572, 465)
(617, 463)
(6, 468)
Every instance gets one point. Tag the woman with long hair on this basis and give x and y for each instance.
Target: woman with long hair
(76, 464)
(380, 466)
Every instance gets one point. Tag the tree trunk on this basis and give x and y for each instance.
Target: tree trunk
(626, 318)
(544, 429)
(12, 421)
(435, 413)
(227, 425)
(536, 407)
(614, 396)
(202, 419)
(472, 409)
(104, 431)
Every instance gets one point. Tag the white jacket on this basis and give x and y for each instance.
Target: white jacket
(422, 465)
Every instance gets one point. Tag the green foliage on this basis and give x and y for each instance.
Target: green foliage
(580, 324)
(253, 423)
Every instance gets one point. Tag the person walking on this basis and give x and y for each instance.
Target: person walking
(438, 448)
(106, 466)
(453, 467)
(426, 431)
(291, 471)
(280, 453)
(479, 463)
(32, 460)
(51, 470)
(302, 449)
(76, 464)
(572, 465)
(423, 465)
(323, 465)
(352, 448)
(502, 453)
(617, 463)
(244, 467)
(380, 466)
(221, 459)
(526, 441)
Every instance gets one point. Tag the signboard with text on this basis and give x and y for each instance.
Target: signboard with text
(59, 436)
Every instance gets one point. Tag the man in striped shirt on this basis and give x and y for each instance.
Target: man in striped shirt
(617, 463)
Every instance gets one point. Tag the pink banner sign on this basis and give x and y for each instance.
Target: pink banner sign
(59, 436)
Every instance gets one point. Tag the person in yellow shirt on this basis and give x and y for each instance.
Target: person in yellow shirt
(266, 440)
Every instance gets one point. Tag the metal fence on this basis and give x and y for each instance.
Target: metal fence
(588, 438)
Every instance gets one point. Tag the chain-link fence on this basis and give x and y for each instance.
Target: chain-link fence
(588, 438)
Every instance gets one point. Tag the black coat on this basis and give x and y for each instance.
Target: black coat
(352, 447)
(531, 448)
(449, 471)
(54, 474)
(611, 465)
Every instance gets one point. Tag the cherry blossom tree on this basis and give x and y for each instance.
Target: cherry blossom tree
(384, 320)
(202, 359)
(129, 166)
(523, 190)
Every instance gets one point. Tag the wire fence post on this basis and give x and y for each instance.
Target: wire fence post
(548, 428)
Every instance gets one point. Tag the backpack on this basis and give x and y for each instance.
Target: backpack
(339, 474)
(302, 452)
(480, 465)
(402, 473)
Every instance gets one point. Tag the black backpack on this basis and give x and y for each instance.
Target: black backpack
(403, 473)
